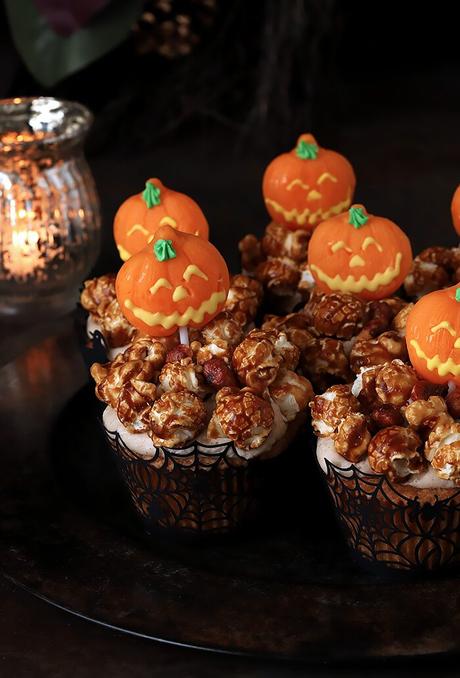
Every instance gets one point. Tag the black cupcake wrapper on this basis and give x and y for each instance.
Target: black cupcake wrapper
(388, 531)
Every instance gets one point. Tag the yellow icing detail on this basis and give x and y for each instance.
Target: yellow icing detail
(297, 182)
(444, 325)
(168, 221)
(179, 293)
(161, 282)
(192, 269)
(314, 195)
(357, 261)
(124, 254)
(326, 175)
(301, 218)
(350, 284)
(371, 241)
(435, 364)
(149, 240)
(340, 245)
(138, 227)
(457, 343)
(180, 319)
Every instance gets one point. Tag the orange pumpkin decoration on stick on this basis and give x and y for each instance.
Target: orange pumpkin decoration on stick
(455, 210)
(359, 253)
(178, 280)
(139, 217)
(433, 336)
(307, 185)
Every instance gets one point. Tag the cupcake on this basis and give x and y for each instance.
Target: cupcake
(301, 188)
(389, 448)
(191, 425)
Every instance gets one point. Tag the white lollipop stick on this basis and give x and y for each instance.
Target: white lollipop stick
(183, 336)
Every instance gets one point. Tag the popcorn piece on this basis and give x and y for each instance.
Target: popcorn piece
(444, 432)
(111, 377)
(424, 277)
(352, 437)
(97, 294)
(289, 353)
(241, 416)
(148, 350)
(134, 403)
(330, 408)
(217, 349)
(222, 328)
(325, 361)
(291, 392)
(251, 252)
(183, 375)
(446, 460)
(295, 325)
(394, 451)
(243, 299)
(382, 349)
(218, 374)
(115, 328)
(400, 320)
(394, 383)
(176, 418)
(282, 242)
(421, 412)
(279, 274)
(422, 390)
(379, 316)
(339, 315)
(259, 357)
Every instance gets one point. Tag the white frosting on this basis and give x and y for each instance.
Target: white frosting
(93, 326)
(325, 449)
(142, 444)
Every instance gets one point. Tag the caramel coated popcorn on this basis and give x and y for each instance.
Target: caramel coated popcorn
(282, 242)
(383, 349)
(352, 437)
(243, 299)
(338, 315)
(222, 328)
(250, 252)
(280, 275)
(291, 392)
(183, 375)
(325, 361)
(97, 294)
(395, 451)
(394, 383)
(259, 357)
(330, 408)
(176, 418)
(241, 416)
(295, 325)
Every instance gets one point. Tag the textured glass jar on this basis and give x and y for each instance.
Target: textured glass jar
(49, 209)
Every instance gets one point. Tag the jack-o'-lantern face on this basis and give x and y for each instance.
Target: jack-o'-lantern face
(455, 210)
(140, 216)
(178, 280)
(307, 185)
(433, 336)
(359, 253)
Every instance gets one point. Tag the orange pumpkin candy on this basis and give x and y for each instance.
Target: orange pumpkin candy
(142, 214)
(179, 280)
(455, 210)
(433, 336)
(307, 185)
(359, 253)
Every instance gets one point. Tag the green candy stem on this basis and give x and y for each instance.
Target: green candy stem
(306, 151)
(457, 294)
(151, 194)
(357, 217)
(164, 250)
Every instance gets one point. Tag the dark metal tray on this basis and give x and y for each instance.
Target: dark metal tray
(288, 589)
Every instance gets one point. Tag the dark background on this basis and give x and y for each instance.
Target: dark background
(376, 81)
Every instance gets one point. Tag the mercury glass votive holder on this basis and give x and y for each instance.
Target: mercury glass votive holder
(49, 209)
